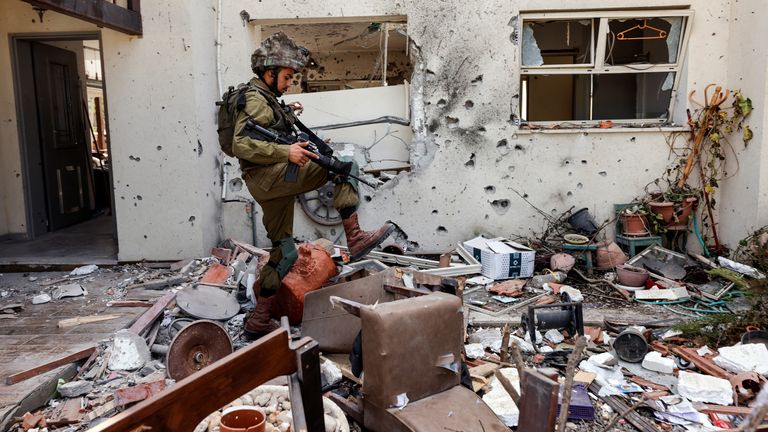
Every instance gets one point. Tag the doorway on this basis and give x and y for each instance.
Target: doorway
(60, 97)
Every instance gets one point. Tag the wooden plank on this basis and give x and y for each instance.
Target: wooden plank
(619, 406)
(184, 405)
(216, 274)
(704, 364)
(99, 12)
(76, 321)
(145, 321)
(47, 367)
(538, 403)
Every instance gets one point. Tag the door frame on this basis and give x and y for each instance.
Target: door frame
(27, 170)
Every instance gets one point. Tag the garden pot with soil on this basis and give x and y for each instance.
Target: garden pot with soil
(634, 224)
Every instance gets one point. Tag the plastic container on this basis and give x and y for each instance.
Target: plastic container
(243, 419)
(583, 221)
(630, 346)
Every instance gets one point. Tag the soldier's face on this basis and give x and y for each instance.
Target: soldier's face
(284, 79)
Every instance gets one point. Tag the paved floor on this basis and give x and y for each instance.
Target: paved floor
(90, 242)
(33, 338)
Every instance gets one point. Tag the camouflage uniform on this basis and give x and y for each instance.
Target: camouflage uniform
(264, 164)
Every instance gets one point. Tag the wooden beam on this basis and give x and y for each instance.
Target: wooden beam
(146, 320)
(99, 12)
(30, 373)
(184, 405)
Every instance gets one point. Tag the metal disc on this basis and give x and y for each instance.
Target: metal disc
(318, 205)
(207, 302)
(195, 347)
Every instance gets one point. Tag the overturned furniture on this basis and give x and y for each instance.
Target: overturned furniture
(411, 351)
(182, 407)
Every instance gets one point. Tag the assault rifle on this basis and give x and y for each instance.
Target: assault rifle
(325, 158)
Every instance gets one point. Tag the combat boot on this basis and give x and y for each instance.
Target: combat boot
(361, 242)
(260, 322)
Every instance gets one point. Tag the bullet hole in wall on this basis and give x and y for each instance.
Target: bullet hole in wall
(579, 186)
(368, 198)
(469, 104)
(191, 219)
(159, 148)
(603, 173)
(236, 185)
(134, 158)
(433, 125)
(452, 122)
(490, 189)
(500, 206)
(139, 197)
(503, 147)
(477, 79)
(519, 147)
(441, 230)
(633, 139)
(471, 162)
(569, 193)
(441, 103)
(434, 212)
(583, 162)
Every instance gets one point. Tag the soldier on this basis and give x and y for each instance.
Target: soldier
(264, 164)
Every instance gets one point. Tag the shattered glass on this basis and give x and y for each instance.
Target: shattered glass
(548, 42)
(631, 96)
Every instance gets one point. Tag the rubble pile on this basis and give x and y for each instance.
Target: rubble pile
(527, 323)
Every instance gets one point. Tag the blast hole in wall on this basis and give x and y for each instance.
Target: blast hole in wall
(236, 185)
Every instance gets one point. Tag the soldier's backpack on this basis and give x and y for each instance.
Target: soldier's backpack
(232, 101)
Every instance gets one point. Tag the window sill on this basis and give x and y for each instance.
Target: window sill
(615, 129)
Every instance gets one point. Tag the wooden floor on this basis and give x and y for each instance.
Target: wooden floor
(33, 338)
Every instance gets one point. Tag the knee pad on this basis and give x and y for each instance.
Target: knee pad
(289, 253)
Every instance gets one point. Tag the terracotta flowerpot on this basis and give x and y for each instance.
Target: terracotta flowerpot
(631, 276)
(683, 211)
(665, 209)
(634, 224)
(243, 420)
(609, 256)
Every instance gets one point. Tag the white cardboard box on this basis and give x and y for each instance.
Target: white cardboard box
(501, 258)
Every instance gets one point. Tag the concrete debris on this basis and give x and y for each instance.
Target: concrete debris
(554, 336)
(744, 358)
(330, 373)
(704, 388)
(69, 290)
(129, 351)
(75, 388)
(655, 362)
(474, 350)
(499, 401)
(41, 299)
(84, 270)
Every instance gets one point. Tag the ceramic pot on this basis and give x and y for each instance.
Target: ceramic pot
(683, 211)
(243, 420)
(609, 256)
(631, 276)
(634, 224)
(665, 209)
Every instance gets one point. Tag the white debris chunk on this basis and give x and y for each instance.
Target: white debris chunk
(703, 351)
(474, 350)
(499, 401)
(744, 358)
(68, 290)
(84, 270)
(605, 359)
(573, 293)
(487, 337)
(129, 351)
(330, 372)
(554, 335)
(41, 298)
(704, 388)
(537, 334)
(655, 362)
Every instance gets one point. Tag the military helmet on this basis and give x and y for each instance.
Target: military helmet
(279, 50)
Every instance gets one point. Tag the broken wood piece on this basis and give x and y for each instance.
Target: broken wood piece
(620, 415)
(570, 371)
(76, 321)
(538, 402)
(253, 250)
(352, 408)
(47, 367)
(646, 383)
(504, 352)
(216, 273)
(223, 254)
(618, 405)
(403, 291)
(12, 308)
(507, 386)
(350, 306)
(583, 377)
(159, 283)
(129, 303)
(146, 320)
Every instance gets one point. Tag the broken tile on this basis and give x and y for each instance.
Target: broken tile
(41, 299)
(139, 392)
(68, 290)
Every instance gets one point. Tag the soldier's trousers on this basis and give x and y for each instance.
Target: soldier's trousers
(276, 197)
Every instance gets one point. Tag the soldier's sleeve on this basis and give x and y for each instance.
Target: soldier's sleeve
(251, 149)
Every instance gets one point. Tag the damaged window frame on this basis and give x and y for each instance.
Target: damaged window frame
(599, 66)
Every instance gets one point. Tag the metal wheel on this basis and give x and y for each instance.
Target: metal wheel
(318, 205)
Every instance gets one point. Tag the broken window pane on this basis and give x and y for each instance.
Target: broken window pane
(555, 97)
(643, 40)
(632, 96)
(562, 38)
